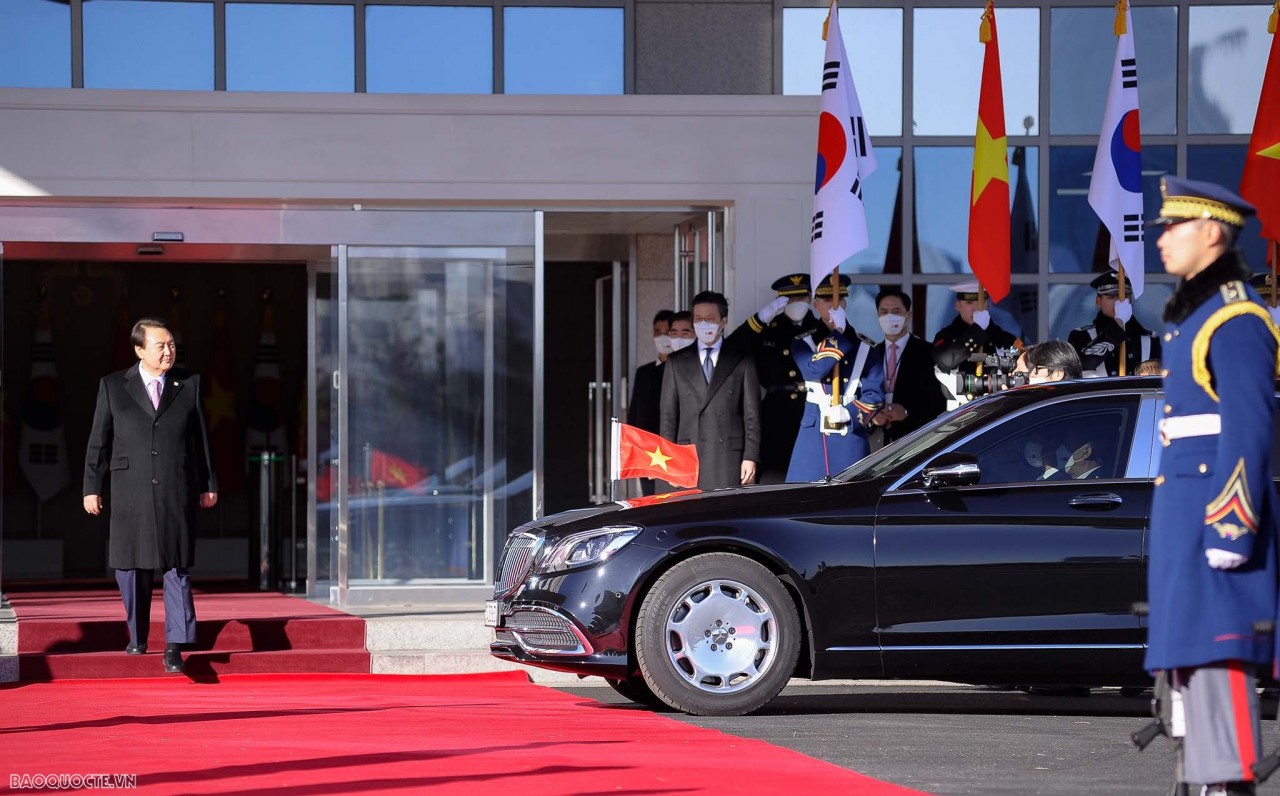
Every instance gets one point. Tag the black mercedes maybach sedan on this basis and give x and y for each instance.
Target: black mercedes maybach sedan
(1003, 543)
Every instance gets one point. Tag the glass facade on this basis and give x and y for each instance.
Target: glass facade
(429, 49)
(290, 47)
(148, 44)
(37, 53)
(563, 50)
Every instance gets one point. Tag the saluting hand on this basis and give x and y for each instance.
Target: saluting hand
(208, 500)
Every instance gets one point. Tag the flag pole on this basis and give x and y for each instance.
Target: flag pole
(615, 440)
(835, 301)
(1125, 332)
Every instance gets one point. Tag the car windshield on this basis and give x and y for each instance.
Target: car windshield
(892, 458)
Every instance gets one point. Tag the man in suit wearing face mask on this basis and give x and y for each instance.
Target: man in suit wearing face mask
(768, 335)
(711, 399)
(912, 394)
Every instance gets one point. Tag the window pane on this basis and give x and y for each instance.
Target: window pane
(1016, 314)
(1040, 445)
(1083, 50)
(562, 50)
(290, 47)
(37, 51)
(944, 180)
(1224, 165)
(430, 50)
(873, 39)
(1073, 306)
(146, 44)
(948, 69)
(1229, 46)
(1077, 242)
(880, 194)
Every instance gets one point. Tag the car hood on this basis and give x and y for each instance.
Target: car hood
(690, 506)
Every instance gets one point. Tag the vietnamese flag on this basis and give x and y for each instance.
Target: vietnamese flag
(641, 454)
(989, 198)
(393, 471)
(1262, 162)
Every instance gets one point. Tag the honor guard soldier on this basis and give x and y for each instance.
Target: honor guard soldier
(1099, 343)
(971, 334)
(769, 334)
(844, 389)
(1262, 283)
(1212, 576)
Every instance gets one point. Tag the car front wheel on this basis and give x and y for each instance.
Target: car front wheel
(717, 635)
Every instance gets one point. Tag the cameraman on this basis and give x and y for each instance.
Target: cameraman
(1054, 360)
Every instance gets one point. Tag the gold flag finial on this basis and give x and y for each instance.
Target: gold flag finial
(984, 30)
(1274, 18)
(1122, 12)
(826, 23)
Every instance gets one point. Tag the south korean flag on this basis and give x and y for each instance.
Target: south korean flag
(845, 160)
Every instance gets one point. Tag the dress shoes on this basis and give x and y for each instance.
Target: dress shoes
(172, 659)
(136, 649)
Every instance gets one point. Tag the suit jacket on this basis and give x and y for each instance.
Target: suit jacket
(916, 387)
(645, 409)
(721, 418)
(159, 460)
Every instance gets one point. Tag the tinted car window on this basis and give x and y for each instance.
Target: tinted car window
(1083, 439)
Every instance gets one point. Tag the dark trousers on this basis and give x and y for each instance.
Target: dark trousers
(136, 586)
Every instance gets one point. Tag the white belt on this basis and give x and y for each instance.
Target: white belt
(1172, 428)
(815, 393)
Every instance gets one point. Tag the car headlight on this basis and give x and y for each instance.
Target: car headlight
(587, 547)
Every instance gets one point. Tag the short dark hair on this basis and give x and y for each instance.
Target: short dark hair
(1056, 355)
(139, 334)
(663, 316)
(712, 297)
(682, 315)
(893, 291)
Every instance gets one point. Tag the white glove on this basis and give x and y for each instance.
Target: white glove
(1275, 314)
(1223, 559)
(835, 415)
(1124, 311)
(982, 318)
(770, 311)
(838, 318)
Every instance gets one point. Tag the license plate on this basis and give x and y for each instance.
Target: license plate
(491, 613)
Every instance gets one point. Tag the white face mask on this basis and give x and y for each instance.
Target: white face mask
(663, 343)
(1064, 457)
(891, 324)
(706, 331)
(797, 310)
(679, 343)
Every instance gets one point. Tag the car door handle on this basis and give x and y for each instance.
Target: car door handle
(1095, 500)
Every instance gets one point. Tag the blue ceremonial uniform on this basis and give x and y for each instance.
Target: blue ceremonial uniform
(817, 455)
(1214, 490)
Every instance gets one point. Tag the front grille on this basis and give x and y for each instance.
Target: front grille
(517, 560)
(543, 631)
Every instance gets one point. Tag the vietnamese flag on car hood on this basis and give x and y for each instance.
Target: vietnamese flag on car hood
(640, 454)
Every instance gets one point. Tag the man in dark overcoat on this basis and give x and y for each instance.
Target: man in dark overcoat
(1212, 573)
(149, 433)
(1098, 343)
(711, 399)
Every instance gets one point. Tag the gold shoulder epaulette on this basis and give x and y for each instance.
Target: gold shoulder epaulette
(1200, 344)
(1233, 291)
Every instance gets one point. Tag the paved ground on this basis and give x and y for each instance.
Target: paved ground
(952, 739)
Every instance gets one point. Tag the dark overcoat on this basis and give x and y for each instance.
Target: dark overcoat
(817, 455)
(159, 461)
(1098, 345)
(722, 419)
(916, 388)
(1214, 490)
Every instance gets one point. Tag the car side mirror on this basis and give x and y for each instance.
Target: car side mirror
(952, 469)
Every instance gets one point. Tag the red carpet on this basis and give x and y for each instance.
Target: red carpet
(318, 734)
(82, 635)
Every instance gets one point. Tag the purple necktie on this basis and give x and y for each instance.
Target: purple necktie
(155, 394)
